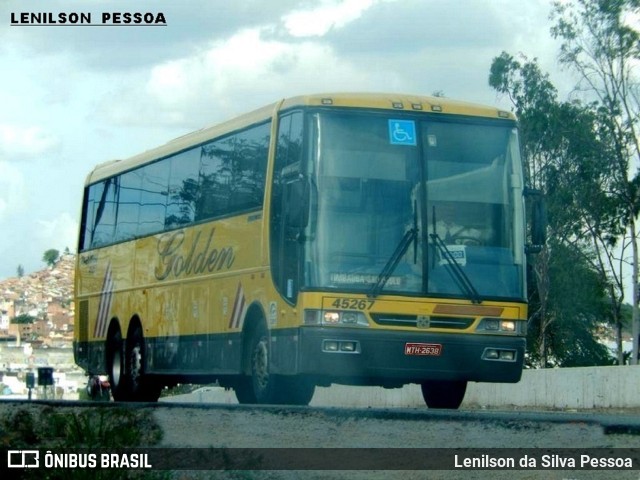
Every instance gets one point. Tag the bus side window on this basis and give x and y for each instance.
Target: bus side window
(104, 219)
(232, 173)
(88, 216)
(153, 197)
(128, 211)
(182, 189)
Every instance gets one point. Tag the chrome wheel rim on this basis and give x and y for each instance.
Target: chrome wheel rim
(261, 365)
(116, 369)
(136, 364)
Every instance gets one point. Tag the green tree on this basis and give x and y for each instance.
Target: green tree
(603, 47)
(20, 271)
(51, 257)
(579, 303)
(562, 152)
(23, 319)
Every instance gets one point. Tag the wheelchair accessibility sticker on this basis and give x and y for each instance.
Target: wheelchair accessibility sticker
(402, 132)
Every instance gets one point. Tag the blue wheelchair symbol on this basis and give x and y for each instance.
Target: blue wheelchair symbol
(402, 132)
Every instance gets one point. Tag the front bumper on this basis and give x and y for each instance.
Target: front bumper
(379, 356)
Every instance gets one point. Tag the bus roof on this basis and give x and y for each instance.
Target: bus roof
(387, 101)
(395, 101)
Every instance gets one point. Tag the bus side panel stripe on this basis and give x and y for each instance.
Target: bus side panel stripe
(238, 308)
(106, 297)
(243, 311)
(105, 315)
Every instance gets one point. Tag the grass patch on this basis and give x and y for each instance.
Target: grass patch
(90, 429)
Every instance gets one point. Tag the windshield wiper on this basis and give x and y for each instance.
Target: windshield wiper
(456, 271)
(410, 236)
(393, 261)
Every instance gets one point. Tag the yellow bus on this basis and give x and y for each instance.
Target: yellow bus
(360, 239)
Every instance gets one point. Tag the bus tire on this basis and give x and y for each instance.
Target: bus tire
(264, 383)
(141, 387)
(115, 365)
(443, 393)
(259, 385)
(244, 390)
(295, 390)
(245, 385)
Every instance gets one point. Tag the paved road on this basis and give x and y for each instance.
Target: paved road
(394, 431)
(205, 425)
(538, 433)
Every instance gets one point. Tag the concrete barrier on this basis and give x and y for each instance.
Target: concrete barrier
(580, 388)
(561, 388)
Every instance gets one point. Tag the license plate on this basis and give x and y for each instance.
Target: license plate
(428, 349)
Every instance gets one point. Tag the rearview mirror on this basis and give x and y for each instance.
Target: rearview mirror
(298, 193)
(537, 219)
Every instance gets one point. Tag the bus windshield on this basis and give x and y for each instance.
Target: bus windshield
(410, 206)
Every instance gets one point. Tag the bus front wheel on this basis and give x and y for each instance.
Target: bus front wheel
(263, 382)
(443, 393)
(296, 390)
(261, 385)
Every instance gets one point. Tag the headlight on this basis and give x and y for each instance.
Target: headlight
(330, 318)
(335, 317)
(503, 326)
(507, 325)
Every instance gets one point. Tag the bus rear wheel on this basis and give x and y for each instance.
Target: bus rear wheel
(141, 387)
(443, 393)
(115, 366)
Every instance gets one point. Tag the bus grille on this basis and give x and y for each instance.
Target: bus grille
(453, 323)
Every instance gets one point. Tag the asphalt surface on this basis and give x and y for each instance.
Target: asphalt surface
(350, 439)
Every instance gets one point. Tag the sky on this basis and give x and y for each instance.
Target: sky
(74, 97)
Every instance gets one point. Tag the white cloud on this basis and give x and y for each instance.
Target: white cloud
(26, 237)
(330, 14)
(256, 65)
(60, 232)
(245, 71)
(30, 141)
(13, 193)
(73, 97)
